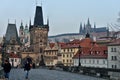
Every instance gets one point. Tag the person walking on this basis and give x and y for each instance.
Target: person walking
(6, 68)
(27, 68)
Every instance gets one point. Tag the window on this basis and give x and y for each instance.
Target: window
(105, 52)
(84, 61)
(67, 55)
(71, 50)
(63, 55)
(103, 61)
(97, 52)
(111, 49)
(67, 61)
(40, 50)
(68, 50)
(89, 61)
(115, 50)
(63, 60)
(64, 50)
(93, 61)
(15, 60)
(113, 57)
(97, 61)
(114, 66)
(91, 52)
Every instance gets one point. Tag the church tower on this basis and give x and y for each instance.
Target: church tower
(88, 27)
(21, 33)
(12, 41)
(38, 32)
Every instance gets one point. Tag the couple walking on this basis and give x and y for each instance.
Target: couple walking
(7, 67)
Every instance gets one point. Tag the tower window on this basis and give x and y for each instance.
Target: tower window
(41, 50)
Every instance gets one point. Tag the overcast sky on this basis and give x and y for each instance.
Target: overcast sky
(64, 15)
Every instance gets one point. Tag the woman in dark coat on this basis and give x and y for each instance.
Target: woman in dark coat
(6, 68)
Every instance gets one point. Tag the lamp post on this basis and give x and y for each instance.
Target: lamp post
(79, 64)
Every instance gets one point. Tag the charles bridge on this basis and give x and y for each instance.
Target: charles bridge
(49, 74)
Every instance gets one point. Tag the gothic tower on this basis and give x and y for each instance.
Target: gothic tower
(21, 33)
(27, 36)
(88, 27)
(38, 32)
(12, 41)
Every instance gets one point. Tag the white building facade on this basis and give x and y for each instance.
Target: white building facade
(114, 55)
(100, 63)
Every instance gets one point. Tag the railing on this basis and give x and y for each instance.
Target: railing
(92, 71)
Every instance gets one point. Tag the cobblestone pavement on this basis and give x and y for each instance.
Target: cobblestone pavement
(45, 74)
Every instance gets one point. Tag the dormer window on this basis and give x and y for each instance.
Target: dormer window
(97, 52)
(105, 52)
(91, 52)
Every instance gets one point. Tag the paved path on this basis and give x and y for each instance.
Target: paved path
(44, 74)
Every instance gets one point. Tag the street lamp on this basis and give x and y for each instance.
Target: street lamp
(79, 64)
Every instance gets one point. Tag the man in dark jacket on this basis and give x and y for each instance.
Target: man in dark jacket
(27, 68)
(6, 68)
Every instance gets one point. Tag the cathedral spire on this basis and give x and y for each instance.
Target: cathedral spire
(80, 31)
(94, 27)
(88, 22)
(38, 20)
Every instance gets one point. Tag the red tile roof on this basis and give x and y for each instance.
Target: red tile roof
(59, 44)
(13, 55)
(90, 49)
(92, 52)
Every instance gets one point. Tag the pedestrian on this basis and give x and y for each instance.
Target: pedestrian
(33, 65)
(27, 68)
(6, 68)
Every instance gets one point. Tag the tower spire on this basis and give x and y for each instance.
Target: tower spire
(80, 31)
(38, 20)
(88, 22)
(94, 27)
(48, 21)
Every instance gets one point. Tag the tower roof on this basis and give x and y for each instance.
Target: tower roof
(11, 32)
(38, 20)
